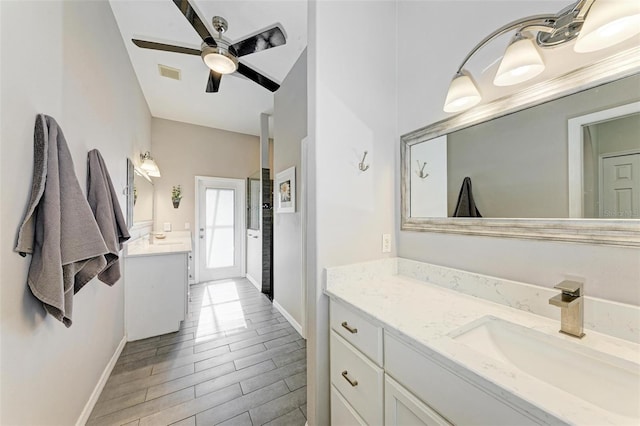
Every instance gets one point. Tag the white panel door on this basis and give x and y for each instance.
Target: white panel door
(621, 187)
(221, 228)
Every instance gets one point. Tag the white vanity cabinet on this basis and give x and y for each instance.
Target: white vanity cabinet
(156, 294)
(408, 388)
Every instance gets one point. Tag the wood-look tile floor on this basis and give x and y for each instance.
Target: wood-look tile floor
(234, 361)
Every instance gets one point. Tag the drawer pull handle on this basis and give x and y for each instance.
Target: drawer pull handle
(348, 327)
(353, 383)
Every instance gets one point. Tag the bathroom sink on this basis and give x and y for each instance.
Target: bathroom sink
(606, 381)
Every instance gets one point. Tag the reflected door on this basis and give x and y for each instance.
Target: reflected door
(221, 228)
(621, 187)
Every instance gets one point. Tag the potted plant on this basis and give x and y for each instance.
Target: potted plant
(176, 196)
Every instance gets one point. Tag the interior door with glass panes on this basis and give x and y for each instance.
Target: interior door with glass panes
(220, 228)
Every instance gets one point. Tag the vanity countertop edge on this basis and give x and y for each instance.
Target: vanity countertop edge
(422, 314)
(171, 244)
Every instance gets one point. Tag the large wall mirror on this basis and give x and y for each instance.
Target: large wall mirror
(564, 169)
(140, 197)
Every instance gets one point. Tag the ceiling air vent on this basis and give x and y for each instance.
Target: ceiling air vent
(169, 72)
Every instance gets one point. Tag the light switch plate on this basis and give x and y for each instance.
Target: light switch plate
(386, 243)
(166, 226)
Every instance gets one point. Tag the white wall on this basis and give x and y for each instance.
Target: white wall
(184, 151)
(352, 109)
(65, 59)
(425, 69)
(289, 128)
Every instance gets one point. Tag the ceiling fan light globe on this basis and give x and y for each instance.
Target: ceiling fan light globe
(521, 62)
(463, 94)
(219, 60)
(608, 22)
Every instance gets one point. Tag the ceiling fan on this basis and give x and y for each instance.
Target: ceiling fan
(220, 55)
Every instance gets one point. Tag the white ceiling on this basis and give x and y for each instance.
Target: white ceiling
(239, 102)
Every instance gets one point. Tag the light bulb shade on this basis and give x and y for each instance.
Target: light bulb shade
(219, 60)
(148, 165)
(608, 22)
(154, 173)
(521, 62)
(462, 94)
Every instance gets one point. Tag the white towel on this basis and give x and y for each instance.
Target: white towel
(59, 229)
(106, 209)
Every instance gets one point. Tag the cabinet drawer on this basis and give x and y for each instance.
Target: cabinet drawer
(341, 412)
(447, 393)
(356, 330)
(358, 380)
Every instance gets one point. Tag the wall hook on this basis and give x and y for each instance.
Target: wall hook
(421, 174)
(361, 166)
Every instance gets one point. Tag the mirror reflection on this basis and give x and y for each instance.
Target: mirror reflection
(520, 165)
(142, 197)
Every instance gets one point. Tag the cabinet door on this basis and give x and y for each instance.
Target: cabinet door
(403, 409)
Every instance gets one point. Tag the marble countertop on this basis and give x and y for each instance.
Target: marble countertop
(423, 314)
(173, 243)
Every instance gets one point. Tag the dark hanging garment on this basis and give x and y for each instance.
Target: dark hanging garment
(466, 207)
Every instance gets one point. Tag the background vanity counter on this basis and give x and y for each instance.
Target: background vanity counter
(408, 315)
(156, 284)
(174, 242)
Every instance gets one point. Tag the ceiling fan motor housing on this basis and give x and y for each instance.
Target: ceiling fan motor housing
(219, 24)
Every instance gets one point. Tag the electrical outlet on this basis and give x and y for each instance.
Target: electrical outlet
(166, 226)
(386, 243)
(187, 226)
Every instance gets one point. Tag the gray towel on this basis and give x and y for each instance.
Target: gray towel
(466, 206)
(59, 229)
(106, 209)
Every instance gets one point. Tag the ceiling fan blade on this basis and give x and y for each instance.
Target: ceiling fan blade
(195, 21)
(165, 47)
(214, 82)
(267, 39)
(257, 77)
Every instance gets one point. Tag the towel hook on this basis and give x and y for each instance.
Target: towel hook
(421, 174)
(362, 166)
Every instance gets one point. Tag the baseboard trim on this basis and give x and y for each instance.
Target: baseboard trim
(88, 408)
(289, 318)
(254, 282)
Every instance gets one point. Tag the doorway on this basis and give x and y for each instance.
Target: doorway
(220, 221)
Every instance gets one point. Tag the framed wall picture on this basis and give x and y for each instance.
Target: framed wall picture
(285, 191)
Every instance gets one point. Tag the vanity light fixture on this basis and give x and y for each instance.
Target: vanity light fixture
(148, 165)
(596, 24)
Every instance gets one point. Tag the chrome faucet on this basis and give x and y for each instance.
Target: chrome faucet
(570, 301)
